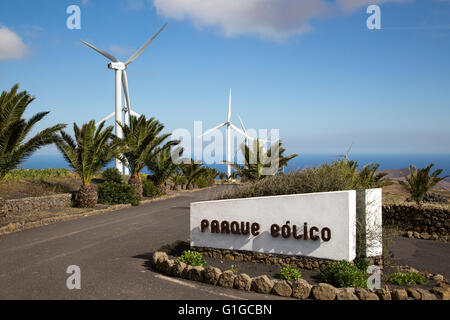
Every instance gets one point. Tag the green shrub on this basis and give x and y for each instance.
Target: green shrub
(205, 181)
(334, 176)
(362, 264)
(406, 278)
(149, 189)
(192, 258)
(290, 273)
(112, 175)
(344, 274)
(117, 193)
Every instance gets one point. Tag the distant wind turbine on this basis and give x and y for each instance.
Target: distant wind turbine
(345, 156)
(229, 125)
(122, 81)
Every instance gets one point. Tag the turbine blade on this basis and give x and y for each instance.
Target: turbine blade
(106, 118)
(350, 148)
(106, 54)
(137, 115)
(212, 129)
(138, 53)
(229, 107)
(125, 89)
(238, 130)
(242, 124)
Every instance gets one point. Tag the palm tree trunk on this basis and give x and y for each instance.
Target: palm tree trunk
(3, 209)
(137, 183)
(85, 197)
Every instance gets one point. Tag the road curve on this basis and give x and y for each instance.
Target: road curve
(111, 250)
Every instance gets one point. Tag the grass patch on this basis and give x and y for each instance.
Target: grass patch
(411, 278)
(31, 174)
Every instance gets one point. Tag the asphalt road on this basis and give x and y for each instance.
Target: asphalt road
(424, 255)
(111, 250)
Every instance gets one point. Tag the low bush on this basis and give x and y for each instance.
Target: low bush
(290, 273)
(344, 274)
(112, 175)
(362, 264)
(149, 189)
(402, 279)
(192, 258)
(335, 176)
(205, 181)
(117, 193)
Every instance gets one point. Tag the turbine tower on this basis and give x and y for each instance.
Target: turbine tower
(122, 82)
(229, 126)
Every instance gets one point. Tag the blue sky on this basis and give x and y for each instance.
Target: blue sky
(309, 68)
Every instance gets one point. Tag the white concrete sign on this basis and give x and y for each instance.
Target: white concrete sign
(321, 225)
(369, 230)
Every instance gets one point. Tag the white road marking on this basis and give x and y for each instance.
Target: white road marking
(191, 285)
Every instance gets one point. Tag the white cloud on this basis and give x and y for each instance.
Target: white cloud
(277, 20)
(11, 45)
(352, 5)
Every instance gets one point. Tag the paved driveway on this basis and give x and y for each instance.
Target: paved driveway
(110, 249)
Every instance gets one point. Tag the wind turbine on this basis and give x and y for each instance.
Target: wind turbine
(247, 137)
(229, 126)
(345, 156)
(122, 82)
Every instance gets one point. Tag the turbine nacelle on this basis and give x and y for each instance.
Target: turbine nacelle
(117, 66)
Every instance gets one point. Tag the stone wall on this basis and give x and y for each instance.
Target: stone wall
(38, 203)
(426, 222)
(308, 263)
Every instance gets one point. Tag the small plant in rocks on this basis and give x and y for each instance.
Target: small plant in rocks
(234, 269)
(290, 273)
(402, 279)
(344, 274)
(192, 258)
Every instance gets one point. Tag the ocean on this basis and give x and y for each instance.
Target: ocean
(386, 161)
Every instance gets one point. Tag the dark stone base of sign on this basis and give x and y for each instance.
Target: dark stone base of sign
(274, 259)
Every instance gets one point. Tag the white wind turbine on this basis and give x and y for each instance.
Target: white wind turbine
(247, 137)
(121, 81)
(345, 156)
(229, 126)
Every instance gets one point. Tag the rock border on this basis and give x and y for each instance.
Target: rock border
(301, 262)
(299, 289)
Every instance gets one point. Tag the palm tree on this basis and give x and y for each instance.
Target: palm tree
(257, 159)
(14, 130)
(161, 165)
(368, 177)
(91, 150)
(420, 181)
(191, 171)
(282, 160)
(140, 139)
